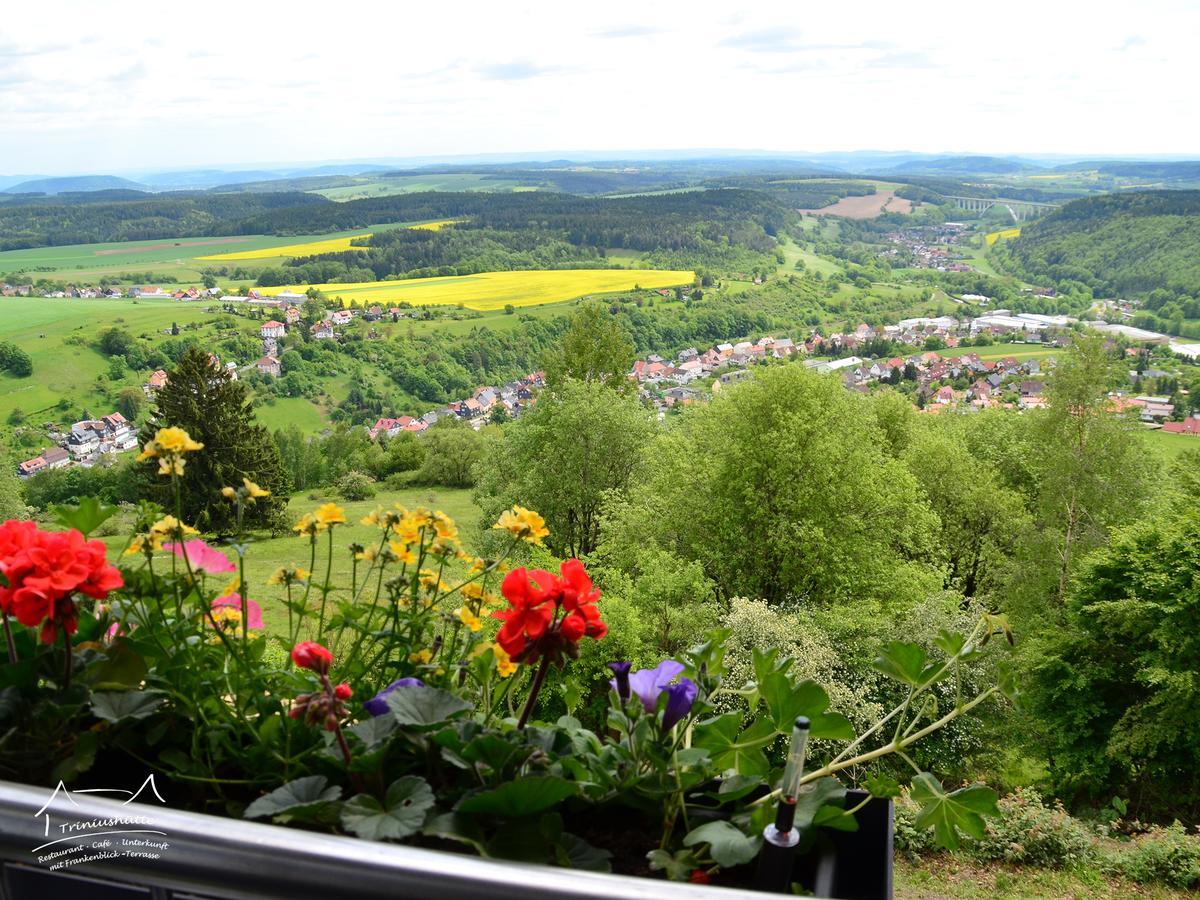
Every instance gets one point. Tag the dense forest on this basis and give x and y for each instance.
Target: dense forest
(1132, 245)
(132, 216)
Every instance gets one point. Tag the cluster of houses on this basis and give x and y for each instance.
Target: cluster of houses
(83, 444)
(512, 397)
(928, 247)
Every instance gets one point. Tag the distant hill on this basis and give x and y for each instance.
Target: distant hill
(75, 184)
(1167, 171)
(965, 165)
(1117, 244)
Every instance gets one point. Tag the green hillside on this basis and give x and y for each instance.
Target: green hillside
(1118, 244)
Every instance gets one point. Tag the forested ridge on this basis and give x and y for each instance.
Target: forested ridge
(1116, 244)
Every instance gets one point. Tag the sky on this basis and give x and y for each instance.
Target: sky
(124, 85)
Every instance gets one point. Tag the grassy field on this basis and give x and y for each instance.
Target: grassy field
(1168, 445)
(382, 186)
(267, 554)
(947, 877)
(793, 253)
(495, 290)
(58, 334)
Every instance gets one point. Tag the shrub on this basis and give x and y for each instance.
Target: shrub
(1028, 832)
(355, 486)
(1169, 855)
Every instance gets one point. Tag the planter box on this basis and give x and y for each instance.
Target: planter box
(212, 857)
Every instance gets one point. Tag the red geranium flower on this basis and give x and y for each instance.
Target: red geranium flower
(311, 655)
(44, 568)
(548, 615)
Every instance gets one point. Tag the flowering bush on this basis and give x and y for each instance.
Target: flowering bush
(402, 704)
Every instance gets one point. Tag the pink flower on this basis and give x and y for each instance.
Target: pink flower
(201, 556)
(254, 617)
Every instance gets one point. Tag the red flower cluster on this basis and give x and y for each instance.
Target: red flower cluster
(548, 614)
(44, 568)
(311, 655)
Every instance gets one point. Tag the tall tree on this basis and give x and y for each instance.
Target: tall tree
(578, 446)
(595, 348)
(214, 409)
(1091, 466)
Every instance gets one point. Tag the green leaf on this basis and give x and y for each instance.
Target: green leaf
(120, 668)
(786, 701)
(951, 643)
(737, 786)
(949, 813)
(883, 786)
(88, 515)
(902, 661)
(831, 727)
(575, 852)
(815, 798)
(424, 706)
(116, 706)
(374, 731)
(727, 845)
(677, 867)
(730, 751)
(453, 827)
(402, 812)
(302, 794)
(524, 797)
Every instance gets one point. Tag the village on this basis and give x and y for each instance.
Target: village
(937, 380)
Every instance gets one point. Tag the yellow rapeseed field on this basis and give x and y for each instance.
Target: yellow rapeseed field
(312, 248)
(1005, 235)
(494, 290)
(333, 245)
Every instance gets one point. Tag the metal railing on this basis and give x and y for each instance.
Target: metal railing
(212, 857)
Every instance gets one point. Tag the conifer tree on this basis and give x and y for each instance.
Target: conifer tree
(215, 410)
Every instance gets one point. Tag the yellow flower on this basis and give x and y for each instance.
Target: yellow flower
(232, 587)
(308, 524)
(404, 553)
(504, 664)
(367, 554)
(468, 618)
(253, 491)
(168, 527)
(170, 465)
(137, 545)
(473, 591)
(228, 493)
(445, 527)
(175, 440)
(421, 517)
(478, 565)
(288, 575)
(330, 514)
(374, 517)
(421, 657)
(431, 582)
(523, 523)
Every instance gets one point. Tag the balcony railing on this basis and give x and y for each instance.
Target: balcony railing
(213, 857)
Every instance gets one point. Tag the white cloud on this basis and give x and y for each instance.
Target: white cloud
(142, 85)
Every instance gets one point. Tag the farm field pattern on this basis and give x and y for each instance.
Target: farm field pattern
(494, 290)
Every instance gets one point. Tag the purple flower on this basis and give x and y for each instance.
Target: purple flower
(680, 698)
(377, 705)
(620, 684)
(649, 684)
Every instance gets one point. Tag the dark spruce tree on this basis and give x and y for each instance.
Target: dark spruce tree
(215, 410)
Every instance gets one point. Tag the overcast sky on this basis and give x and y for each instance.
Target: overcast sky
(90, 87)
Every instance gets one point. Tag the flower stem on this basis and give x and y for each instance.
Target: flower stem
(534, 689)
(70, 661)
(12, 645)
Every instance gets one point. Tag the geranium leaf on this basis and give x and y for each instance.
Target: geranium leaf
(115, 706)
(453, 827)
(421, 706)
(831, 727)
(815, 797)
(902, 661)
(301, 794)
(949, 813)
(523, 797)
(786, 701)
(730, 751)
(727, 844)
(87, 515)
(402, 812)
